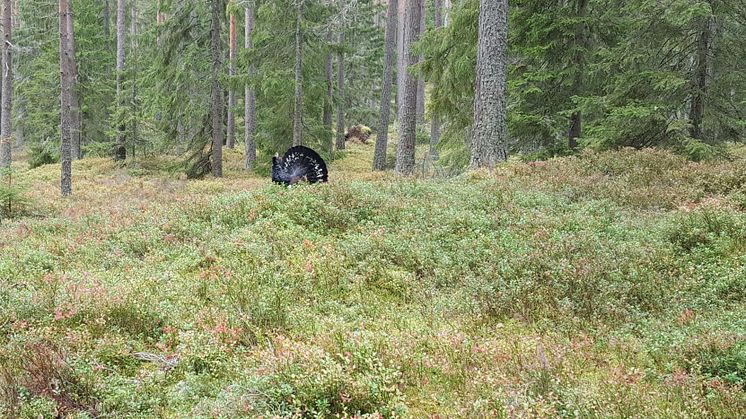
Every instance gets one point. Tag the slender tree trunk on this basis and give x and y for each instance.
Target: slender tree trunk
(65, 105)
(447, 12)
(576, 121)
(420, 80)
(20, 134)
(329, 98)
(488, 145)
(405, 150)
(134, 64)
(216, 94)
(107, 21)
(120, 153)
(435, 123)
(75, 117)
(699, 82)
(6, 108)
(232, 72)
(298, 107)
(401, 56)
(249, 96)
(379, 158)
(341, 93)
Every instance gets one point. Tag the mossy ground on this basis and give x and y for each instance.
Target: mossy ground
(604, 285)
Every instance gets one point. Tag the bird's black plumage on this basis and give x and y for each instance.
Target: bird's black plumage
(297, 164)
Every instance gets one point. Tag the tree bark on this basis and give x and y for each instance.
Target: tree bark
(134, 62)
(107, 21)
(405, 150)
(420, 80)
(298, 102)
(576, 120)
(435, 123)
(232, 72)
(249, 95)
(699, 81)
(6, 108)
(379, 158)
(216, 94)
(447, 12)
(329, 98)
(401, 56)
(488, 145)
(120, 153)
(341, 94)
(65, 105)
(75, 117)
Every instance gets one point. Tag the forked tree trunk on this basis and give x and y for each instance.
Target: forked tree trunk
(7, 89)
(216, 94)
(405, 150)
(298, 102)
(249, 96)
(379, 158)
(120, 153)
(488, 145)
(232, 72)
(65, 99)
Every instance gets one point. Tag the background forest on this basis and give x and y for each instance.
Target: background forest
(582, 74)
(539, 208)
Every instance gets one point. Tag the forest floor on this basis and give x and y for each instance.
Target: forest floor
(606, 285)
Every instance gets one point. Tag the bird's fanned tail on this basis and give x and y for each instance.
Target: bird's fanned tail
(297, 164)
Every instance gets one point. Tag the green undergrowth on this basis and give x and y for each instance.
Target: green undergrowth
(604, 285)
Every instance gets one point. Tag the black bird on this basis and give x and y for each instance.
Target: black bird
(297, 164)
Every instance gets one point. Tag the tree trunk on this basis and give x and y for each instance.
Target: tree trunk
(107, 22)
(232, 73)
(120, 153)
(249, 96)
(488, 145)
(447, 12)
(6, 108)
(699, 82)
(329, 98)
(401, 56)
(298, 106)
(379, 158)
(75, 117)
(420, 80)
(65, 105)
(216, 94)
(435, 123)
(134, 62)
(576, 123)
(341, 94)
(405, 150)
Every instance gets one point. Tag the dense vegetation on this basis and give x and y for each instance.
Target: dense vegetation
(609, 284)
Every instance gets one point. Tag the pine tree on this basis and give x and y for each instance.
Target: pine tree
(405, 150)
(216, 95)
(65, 101)
(7, 89)
(379, 159)
(249, 94)
(488, 146)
